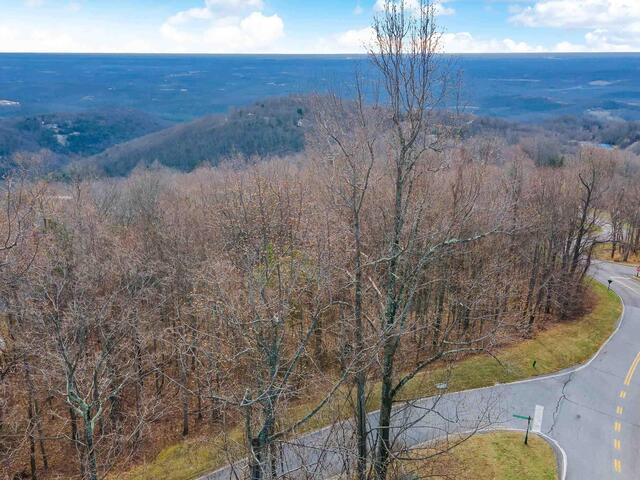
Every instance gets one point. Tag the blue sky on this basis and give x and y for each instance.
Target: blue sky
(308, 26)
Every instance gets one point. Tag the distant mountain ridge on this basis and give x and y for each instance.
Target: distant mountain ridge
(181, 88)
(115, 142)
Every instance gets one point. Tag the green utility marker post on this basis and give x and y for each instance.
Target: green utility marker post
(528, 419)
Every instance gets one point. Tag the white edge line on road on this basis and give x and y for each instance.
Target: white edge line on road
(553, 442)
(563, 454)
(564, 372)
(622, 281)
(519, 382)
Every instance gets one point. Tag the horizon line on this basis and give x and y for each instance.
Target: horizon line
(362, 54)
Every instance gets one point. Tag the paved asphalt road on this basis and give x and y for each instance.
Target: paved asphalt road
(591, 413)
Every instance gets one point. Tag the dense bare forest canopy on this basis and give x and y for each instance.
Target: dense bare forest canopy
(115, 142)
(136, 311)
(241, 301)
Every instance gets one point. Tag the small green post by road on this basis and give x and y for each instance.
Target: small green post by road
(528, 419)
(554, 348)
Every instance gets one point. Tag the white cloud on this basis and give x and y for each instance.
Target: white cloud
(355, 41)
(614, 25)
(79, 37)
(254, 33)
(224, 26)
(173, 33)
(414, 5)
(7, 34)
(186, 16)
(349, 41)
(582, 13)
(464, 42)
(605, 40)
(215, 9)
(568, 47)
(20, 38)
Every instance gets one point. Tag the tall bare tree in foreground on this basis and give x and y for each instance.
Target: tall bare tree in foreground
(417, 83)
(346, 154)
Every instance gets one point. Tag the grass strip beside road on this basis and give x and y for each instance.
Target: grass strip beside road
(561, 346)
(490, 456)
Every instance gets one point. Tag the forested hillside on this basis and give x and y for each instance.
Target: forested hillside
(113, 143)
(272, 127)
(61, 137)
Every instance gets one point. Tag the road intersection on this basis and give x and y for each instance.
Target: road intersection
(590, 413)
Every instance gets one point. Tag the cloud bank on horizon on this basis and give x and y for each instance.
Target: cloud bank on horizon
(327, 26)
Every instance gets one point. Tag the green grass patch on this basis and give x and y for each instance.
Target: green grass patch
(188, 459)
(561, 346)
(491, 456)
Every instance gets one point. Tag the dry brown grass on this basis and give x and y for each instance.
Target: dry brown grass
(602, 251)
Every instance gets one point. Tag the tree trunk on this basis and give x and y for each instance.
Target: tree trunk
(92, 464)
(34, 424)
(381, 462)
(439, 314)
(262, 455)
(531, 287)
(185, 397)
(75, 440)
(43, 450)
(256, 464)
(32, 441)
(361, 376)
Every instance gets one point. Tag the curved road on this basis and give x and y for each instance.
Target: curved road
(591, 413)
